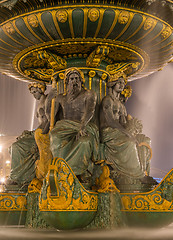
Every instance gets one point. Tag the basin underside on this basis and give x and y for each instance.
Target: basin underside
(74, 31)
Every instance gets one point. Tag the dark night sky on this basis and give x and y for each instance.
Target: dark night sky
(151, 102)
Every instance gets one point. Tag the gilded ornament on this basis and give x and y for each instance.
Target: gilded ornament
(117, 70)
(61, 76)
(119, 54)
(53, 61)
(116, 76)
(32, 20)
(42, 164)
(160, 199)
(93, 14)
(9, 28)
(62, 16)
(56, 62)
(127, 92)
(121, 70)
(135, 65)
(67, 186)
(166, 32)
(92, 73)
(34, 62)
(146, 202)
(21, 202)
(104, 183)
(104, 76)
(123, 17)
(41, 74)
(149, 23)
(74, 48)
(95, 58)
(12, 203)
(41, 65)
(35, 186)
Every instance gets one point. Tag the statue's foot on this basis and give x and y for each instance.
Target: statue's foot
(148, 180)
(12, 186)
(9, 181)
(85, 180)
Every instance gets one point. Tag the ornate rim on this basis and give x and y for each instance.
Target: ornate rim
(139, 52)
(87, 6)
(133, 45)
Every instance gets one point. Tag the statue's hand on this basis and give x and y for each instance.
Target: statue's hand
(133, 138)
(82, 132)
(53, 93)
(45, 130)
(123, 120)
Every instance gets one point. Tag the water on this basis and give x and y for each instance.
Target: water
(21, 233)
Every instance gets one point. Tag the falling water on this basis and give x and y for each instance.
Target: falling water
(151, 102)
(10, 233)
(33, 114)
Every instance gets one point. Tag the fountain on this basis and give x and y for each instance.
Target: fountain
(102, 41)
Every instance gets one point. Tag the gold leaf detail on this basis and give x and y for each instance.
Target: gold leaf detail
(32, 20)
(9, 28)
(70, 194)
(123, 17)
(62, 16)
(93, 14)
(21, 202)
(166, 32)
(149, 23)
(70, 179)
(92, 73)
(61, 76)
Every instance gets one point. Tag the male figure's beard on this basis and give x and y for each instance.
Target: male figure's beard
(75, 90)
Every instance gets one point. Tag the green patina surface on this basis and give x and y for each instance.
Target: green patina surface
(13, 209)
(33, 217)
(108, 214)
(149, 219)
(16, 218)
(153, 208)
(131, 41)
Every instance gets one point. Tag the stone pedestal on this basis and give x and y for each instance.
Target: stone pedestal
(109, 215)
(33, 218)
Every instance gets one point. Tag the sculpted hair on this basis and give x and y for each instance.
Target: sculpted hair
(41, 86)
(70, 71)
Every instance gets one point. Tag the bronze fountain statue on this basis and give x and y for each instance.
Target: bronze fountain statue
(88, 160)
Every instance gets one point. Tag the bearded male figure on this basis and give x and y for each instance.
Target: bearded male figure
(74, 136)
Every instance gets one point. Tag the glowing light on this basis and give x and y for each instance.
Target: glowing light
(3, 180)
(7, 162)
(0, 148)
